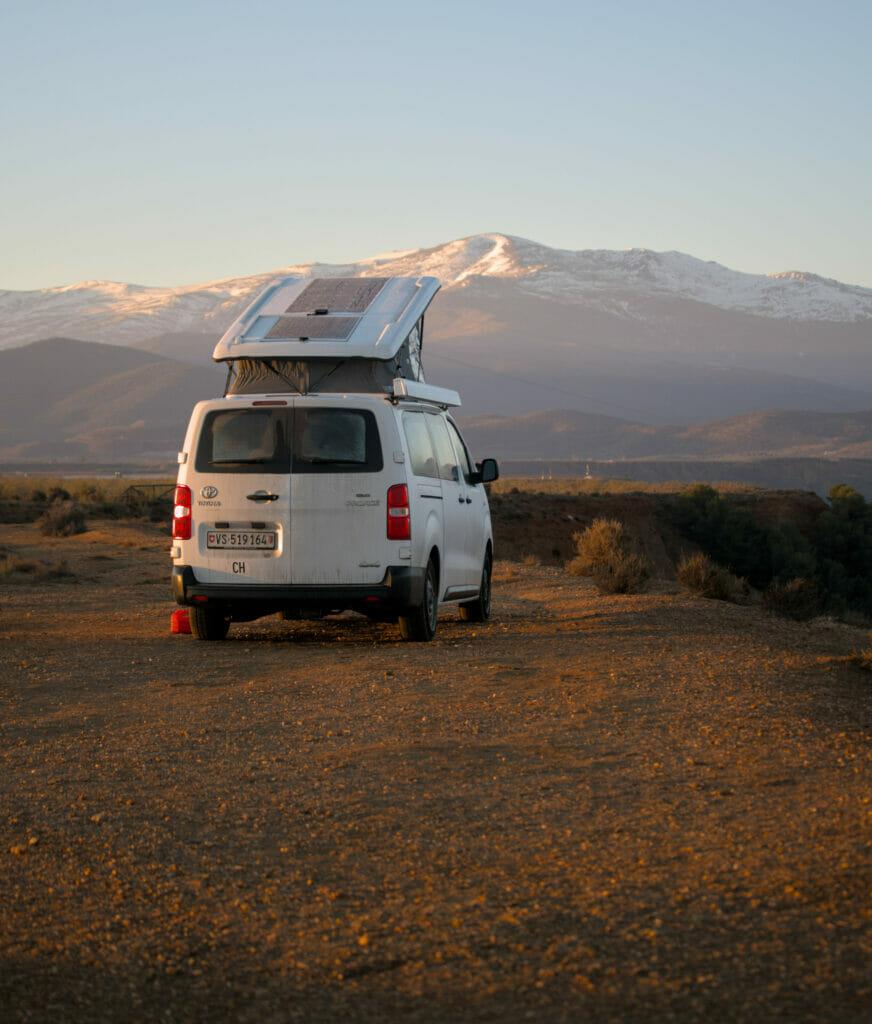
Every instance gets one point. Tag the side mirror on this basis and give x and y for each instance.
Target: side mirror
(487, 472)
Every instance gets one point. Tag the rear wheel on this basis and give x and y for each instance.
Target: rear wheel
(479, 609)
(420, 622)
(209, 623)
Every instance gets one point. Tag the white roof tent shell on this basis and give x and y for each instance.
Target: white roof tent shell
(334, 334)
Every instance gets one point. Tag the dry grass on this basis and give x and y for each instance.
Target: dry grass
(19, 570)
(85, 490)
(574, 485)
(24, 499)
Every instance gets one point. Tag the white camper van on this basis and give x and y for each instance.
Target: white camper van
(330, 476)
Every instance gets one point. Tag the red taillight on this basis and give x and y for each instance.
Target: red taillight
(398, 512)
(182, 513)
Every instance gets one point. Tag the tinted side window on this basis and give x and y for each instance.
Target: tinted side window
(445, 457)
(244, 441)
(460, 448)
(329, 440)
(420, 448)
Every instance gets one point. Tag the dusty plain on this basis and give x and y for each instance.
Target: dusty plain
(591, 809)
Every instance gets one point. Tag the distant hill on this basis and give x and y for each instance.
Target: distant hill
(658, 361)
(63, 398)
(566, 434)
(69, 400)
(185, 346)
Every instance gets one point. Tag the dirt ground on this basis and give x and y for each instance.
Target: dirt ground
(590, 809)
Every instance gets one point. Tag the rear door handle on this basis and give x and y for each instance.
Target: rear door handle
(260, 496)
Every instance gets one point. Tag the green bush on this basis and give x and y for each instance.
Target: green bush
(730, 536)
(605, 554)
(843, 543)
(797, 599)
(832, 564)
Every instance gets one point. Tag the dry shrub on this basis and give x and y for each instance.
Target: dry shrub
(12, 569)
(605, 554)
(11, 566)
(63, 519)
(598, 543)
(860, 659)
(57, 571)
(798, 599)
(700, 575)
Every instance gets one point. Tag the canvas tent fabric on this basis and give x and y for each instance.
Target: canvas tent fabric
(307, 376)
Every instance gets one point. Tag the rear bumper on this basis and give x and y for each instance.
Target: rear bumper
(401, 587)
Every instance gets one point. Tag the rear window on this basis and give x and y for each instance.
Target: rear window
(336, 440)
(324, 440)
(244, 441)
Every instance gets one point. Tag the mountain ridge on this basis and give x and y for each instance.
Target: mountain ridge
(616, 282)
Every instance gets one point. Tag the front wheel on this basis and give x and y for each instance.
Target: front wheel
(420, 622)
(208, 623)
(479, 609)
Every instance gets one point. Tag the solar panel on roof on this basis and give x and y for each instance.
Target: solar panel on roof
(332, 328)
(338, 294)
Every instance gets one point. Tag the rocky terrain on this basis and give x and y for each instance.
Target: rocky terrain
(591, 808)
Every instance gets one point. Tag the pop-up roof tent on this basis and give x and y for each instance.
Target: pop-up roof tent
(332, 334)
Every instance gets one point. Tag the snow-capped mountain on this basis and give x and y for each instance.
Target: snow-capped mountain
(611, 281)
(621, 284)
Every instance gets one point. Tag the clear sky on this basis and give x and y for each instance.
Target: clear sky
(178, 141)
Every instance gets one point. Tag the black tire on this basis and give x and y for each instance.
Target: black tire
(479, 609)
(208, 623)
(420, 622)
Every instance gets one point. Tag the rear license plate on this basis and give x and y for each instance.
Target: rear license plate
(241, 540)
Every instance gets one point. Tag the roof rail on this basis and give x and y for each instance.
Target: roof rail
(443, 397)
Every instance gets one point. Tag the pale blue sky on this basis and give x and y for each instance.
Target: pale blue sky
(179, 141)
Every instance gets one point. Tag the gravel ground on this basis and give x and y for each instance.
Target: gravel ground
(590, 809)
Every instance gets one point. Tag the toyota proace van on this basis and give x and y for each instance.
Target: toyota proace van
(330, 476)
